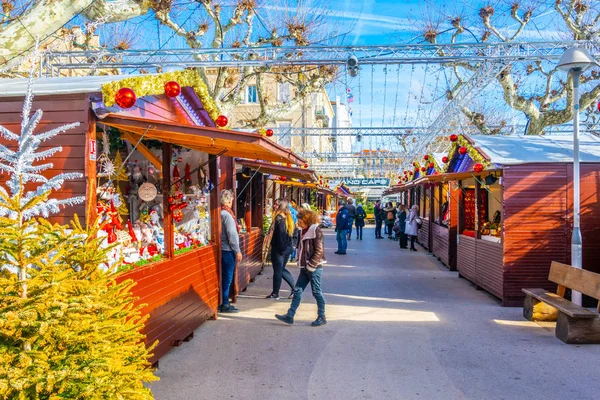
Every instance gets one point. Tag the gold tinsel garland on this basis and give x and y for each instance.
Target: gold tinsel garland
(473, 153)
(152, 85)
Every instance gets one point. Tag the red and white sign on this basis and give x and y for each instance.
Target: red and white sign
(92, 149)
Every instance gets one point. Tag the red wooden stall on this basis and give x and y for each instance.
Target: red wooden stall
(514, 216)
(181, 289)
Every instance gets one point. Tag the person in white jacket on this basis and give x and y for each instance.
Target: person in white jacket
(412, 226)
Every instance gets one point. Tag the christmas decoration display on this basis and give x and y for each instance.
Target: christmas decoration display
(478, 167)
(222, 121)
(473, 153)
(462, 151)
(53, 295)
(269, 132)
(153, 85)
(125, 98)
(172, 89)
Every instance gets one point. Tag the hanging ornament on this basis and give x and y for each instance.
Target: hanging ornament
(269, 132)
(444, 159)
(172, 89)
(453, 138)
(462, 150)
(222, 121)
(431, 165)
(283, 178)
(426, 157)
(125, 98)
(399, 176)
(423, 169)
(305, 166)
(414, 164)
(478, 167)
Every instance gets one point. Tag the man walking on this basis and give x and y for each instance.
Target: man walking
(341, 227)
(379, 216)
(230, 249)
(351, 216)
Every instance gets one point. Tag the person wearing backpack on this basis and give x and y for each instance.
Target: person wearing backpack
(342, 221)
(390, 219)
(311, 257)
(361, 215)
(412, 226)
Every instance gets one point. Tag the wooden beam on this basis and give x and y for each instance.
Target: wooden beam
(133, 139)
(167, 214)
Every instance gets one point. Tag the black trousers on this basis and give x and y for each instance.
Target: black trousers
(378, 224)
(412, 241)
(359, 230)
(403, 240)
(279, 260)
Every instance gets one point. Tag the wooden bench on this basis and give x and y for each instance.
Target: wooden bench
(574, 324)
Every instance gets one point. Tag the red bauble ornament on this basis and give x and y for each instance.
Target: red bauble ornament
(221, 121)
(462, 151)
(453, 138)
(305, 165)
(125, 97)
(399, 176)
(478, 167)
(423, 169)
(172, 89)
(414, 164)
(410, 173)
(270, 132)
(426, 157)
(431, 165)
(444, 159)
(283, 178)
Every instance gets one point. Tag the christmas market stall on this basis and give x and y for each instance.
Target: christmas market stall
(151, 149)
(514, 208)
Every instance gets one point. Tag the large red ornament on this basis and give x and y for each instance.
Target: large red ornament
(305, 165)
(414, 164)
(431, 165)
(222, 121)
(283, 178)
(444, 159)
(478, 167)
(269, 132)
(453, 138)
(426, 157)
(462, 151)
(423, 169)
(125, 97)
(172, 89)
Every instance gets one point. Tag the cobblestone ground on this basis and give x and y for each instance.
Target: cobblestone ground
(400, 326)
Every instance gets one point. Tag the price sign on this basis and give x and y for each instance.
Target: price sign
(92, 149)
(147, 191)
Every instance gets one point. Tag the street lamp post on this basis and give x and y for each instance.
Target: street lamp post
(575, 61)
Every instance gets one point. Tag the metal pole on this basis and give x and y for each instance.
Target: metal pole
(576, 241)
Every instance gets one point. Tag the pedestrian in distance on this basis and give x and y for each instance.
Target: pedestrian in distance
(412, 226)
(361, 215)
(402, 227)
(281, 247)
(351, 216)
(378, 214)
(341, 228)
(390, 218)
(230, 249)
(311, 257)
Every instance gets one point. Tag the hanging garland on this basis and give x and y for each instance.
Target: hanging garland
(153, 85)
(471, 151)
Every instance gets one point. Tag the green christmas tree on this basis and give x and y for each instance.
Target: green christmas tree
(68, 330)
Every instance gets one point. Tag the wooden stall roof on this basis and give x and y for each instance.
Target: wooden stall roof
(459, 176)
(205, 139)
(307, 175)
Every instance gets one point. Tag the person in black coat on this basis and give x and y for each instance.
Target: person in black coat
(402, 226)
(361, 215)
(379, 217)
(281, 248)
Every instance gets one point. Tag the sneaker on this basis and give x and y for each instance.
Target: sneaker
(228, 309)
(285, 318)
(341, 254)
(273, 296)
(337, 252)
(319, 321)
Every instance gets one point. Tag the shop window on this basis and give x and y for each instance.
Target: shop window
(445, 205)
(491, 228)
(130, 203)
(284, 136)
(436, 205)
(468, 204)
(425, 210)
(283, 92)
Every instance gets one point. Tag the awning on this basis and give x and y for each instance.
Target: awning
(459, 176)
(307, 175)
(205, 139)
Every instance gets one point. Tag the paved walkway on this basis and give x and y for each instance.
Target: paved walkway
(400, 326)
